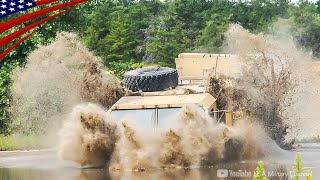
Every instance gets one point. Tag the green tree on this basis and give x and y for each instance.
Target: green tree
(305, 26)
(189, 17)
(163, 42)
(120, 44)
(218, 17)
(256, 15)
(116, 32)
(119, 68)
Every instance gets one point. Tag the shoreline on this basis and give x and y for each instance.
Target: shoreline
(14, 153)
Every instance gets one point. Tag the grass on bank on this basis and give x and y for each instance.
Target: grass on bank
(22, 142)
(315, 139)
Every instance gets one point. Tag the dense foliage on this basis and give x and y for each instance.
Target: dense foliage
(154, 31)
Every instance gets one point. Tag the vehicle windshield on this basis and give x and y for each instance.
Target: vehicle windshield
(140, 118)
(167, 117)
(146, 118)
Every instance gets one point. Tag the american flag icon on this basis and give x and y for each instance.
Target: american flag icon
(8, 7)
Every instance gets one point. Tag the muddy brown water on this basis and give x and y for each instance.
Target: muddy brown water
(45, 165)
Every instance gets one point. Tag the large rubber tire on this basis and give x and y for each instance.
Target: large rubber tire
(151, 79)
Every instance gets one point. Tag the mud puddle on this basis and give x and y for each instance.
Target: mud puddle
(47, 166)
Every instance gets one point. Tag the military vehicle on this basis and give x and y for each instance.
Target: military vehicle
(161, 92)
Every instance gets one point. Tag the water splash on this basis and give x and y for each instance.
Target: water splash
(91, 138)
(56, 78)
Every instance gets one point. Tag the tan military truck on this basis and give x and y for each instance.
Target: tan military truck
(161, 92)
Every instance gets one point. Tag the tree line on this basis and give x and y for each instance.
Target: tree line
(124, 33)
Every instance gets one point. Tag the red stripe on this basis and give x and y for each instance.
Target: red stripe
(14, 22)
(10, 37)
(41, 2)
(4, 53)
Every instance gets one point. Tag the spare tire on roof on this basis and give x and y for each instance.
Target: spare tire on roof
(151, 79)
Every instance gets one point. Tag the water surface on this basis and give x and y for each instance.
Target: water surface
(45, 165)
